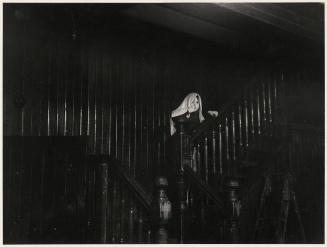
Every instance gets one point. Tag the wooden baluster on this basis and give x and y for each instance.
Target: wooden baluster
(220, 140)
(275, 96)
(233, 168)
(114, 212)
(117, 213)
(202, 213)
(148, 236)
(240, 126)
(140, 223)
(191, 203)
(162, 211)
(246, 123)
(131, 214)
(234, 211)
(233, 137)
(181, 183)
(258, 113)
(109, 209)
(227, 139)
(103, 201)
(264, 114)
(194, 159)
(122, 218)
(198, 159)
(206, 172)
(252, 115)
(214, 152)
(269, 104)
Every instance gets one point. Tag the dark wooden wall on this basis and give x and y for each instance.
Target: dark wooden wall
(44, 183)
(115, 88)
(116, 91)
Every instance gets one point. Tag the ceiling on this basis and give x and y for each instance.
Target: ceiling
(241, 22)
(232, 24)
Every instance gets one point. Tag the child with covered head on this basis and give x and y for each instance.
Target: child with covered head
(189, 112)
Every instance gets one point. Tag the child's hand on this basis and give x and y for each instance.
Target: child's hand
(213, 113)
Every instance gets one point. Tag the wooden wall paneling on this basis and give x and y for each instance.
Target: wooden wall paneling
(70, 94)
(116, 97)
(27, 190)
(142, 86)
(136, 116)
(103, 112)
(7, 180)
(94, 92)
(59, 93)
(91, 100)
(97, 102)
(104, 104)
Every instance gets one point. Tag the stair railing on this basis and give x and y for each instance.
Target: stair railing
(219, 143)
(120, 211)
(214, 149)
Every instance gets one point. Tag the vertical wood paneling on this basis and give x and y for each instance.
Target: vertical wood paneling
(116, 94)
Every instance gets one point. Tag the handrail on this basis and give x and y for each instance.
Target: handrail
(204, 187)
(207, 123)
(135, 187)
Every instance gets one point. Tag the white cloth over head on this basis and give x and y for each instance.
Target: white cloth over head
(187, 106)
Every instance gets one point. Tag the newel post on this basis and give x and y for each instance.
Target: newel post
(234, 209)
(162, 211)
(181, 181)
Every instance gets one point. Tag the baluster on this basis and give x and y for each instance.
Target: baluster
(194, 159)
(258, 113)
(240, 128)
(198, 157)
(140, 227)
(246, 123)
(226, 136)
(233, 137)
(234, 212)
(109, 209)
(233, 168)
(264, 106)
(206, 172)
(181, 183)
(252, 114)
(162, 211)
(122, 218)
(202, 213)
(117, 212)
(114, 212)
(269, 104)
(214, 152)
(220, 140)
(275, 97)
(191, 203)
(131, 214)
(282, 97)
(148, 236)
(104, 199)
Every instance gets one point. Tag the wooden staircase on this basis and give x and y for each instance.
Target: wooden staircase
(222, 180)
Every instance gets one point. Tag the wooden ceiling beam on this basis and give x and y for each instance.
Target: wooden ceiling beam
(279, 17)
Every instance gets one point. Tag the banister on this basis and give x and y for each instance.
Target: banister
(204, 126)
(203, 186)
(131, 184)
(139, 193)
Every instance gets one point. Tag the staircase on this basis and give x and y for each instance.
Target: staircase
(229, 170)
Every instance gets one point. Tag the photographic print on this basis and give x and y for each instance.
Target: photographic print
(163, 123)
